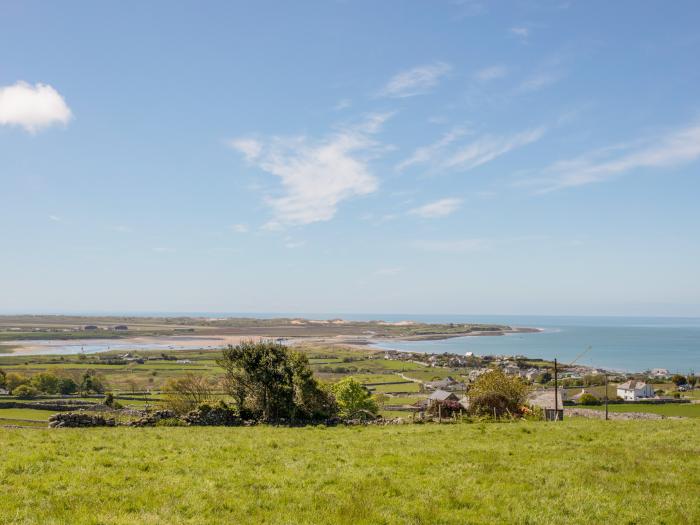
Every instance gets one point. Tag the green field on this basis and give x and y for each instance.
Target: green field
(579, 471)
(674, 409)
(24, 413)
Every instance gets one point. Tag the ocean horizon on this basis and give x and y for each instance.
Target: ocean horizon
(616, 342)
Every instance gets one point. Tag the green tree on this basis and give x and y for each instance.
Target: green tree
(91, 383)
(25, 391)
(2, 378)
(679, 380)
(14, 380)
(495, 393)
(588, 399)
(45, 382)
(269, 382)
(67, 386)
(353, 399)
(186, 393)
(692, 380)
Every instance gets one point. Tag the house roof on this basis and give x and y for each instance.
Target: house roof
(545, 399)
(441, 395)
(632, 385)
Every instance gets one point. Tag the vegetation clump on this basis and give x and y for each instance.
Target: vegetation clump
(354, 400)
(270, 383)
(496, 394)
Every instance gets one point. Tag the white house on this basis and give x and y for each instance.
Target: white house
(633, 390)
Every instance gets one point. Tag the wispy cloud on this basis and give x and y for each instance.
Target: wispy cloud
(32, 107)
(54, 218)
(317, 175)
(343, 104)
(415, 81)
(441, 157)
(240, 228)
(491, 73)
(521, 32)
(673, 148)
(490, 147)
(432, 151)
(439, 208)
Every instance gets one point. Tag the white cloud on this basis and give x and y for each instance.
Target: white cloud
(671, 149)
(240, 228)
(521, 32)
(54, 218)
(32, 107)
(491, 73)
(317, 175)
(429, 153)
(251, 148)
(440, 208)
(453, 246)
(489, 147)
(415, 81)
(290, 243)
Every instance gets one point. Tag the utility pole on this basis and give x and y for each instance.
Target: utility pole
(606, 396)
(556, 392)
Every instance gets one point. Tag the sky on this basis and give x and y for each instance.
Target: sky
(463, 157)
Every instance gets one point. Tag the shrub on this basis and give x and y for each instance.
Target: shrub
(353, 399)
(25, 392)
(588, 399)
(45, 382)
(13, 380)
(185, 393)
(67, 386)
(109, 399)
(495, 393)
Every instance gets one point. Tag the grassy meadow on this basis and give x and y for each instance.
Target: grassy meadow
(669, 410)
(579, 471)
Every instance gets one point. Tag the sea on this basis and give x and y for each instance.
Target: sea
(614, 343)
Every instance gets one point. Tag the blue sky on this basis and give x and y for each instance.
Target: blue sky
(534, 157)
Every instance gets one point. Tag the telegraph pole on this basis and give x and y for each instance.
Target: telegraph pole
(556, 393)
(606, 396)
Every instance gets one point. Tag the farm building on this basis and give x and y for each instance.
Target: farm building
(633, 390)
(544, 399)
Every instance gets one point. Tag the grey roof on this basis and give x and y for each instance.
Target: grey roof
(441, 395)
(632, 385)
(545, 399)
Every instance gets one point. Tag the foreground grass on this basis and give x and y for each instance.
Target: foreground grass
(578, 471)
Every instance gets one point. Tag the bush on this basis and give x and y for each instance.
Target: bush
(354, 400)
(588, 399)
(496, 394)
(186, 393)
(25, 392)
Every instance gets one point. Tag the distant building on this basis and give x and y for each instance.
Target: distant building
(442, 384)
(544, 399)
(633, 390)
(90, 327)
(121, 327)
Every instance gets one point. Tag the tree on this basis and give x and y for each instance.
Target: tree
(2, 378)
(692, 380)
(14, 380)
(67, 386)
(186, 393)
(269, 382)
(25, 391)
(45, 382)
(495, 393)
(353, 399)
(91, 383)
(678, 380)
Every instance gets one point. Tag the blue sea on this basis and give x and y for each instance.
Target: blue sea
(616, 343)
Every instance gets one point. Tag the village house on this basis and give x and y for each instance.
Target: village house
(442, 384)
(440, 396)
(633, 390)
(544, 399)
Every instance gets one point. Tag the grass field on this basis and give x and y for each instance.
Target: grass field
(579, 471)
(24, 413)
(684, 410)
